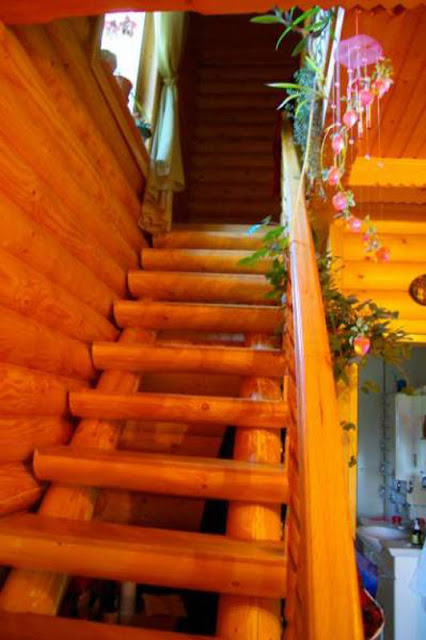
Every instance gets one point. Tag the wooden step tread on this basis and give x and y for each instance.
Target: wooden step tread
(197, 358)
(143, 555)
(30, 626)
(201, 317)
(201, 260)
(193, 239)
(164, 474)
(200, 287)
(238, 412)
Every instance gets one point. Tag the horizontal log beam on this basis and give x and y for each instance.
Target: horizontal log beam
(30, 626)
(173, 475)
(205, 359)
(192, 239)
(30, 293)
(199, 260)
(168, 407)
(47, 211)
(26, 392)
(19, 436)
(42, 591)
(172, 315)
(18, 489)
(200, 287)
(30, 344)
(392, 276)
(403, 247)
(119, 552)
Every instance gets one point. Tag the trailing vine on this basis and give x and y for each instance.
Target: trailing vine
(356, 328)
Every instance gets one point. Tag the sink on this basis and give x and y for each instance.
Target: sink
(376, 534)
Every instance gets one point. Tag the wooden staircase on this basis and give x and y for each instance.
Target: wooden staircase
(197, 311)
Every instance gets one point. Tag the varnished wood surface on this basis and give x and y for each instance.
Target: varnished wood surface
(193, 239)
(29, 344)
(239, 617)
(42, 591)
(161, 406)
(321, 456)
(28, 626)
(118, 552)
(29, 191)
(201, 287)
(231, 360)
(186, 316)
(25, 239)
(26, 291)
(18, 488)
(36, 41)
(201, 260)
(174, 475)
(20, 435)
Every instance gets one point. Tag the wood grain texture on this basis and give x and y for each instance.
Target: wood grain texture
(173, 315)
(26, 392)
(201, 287)
(29, 344)
(24, 239)
(240, 617)
(36, 130)
(321, 456)
(43, 55)
(16, 67)
(231, 360)
(201, 260)
(77, 63)
(18, 488)
(193, 239)
(20, 435)
(200, 561)
(27, 626)
(174, 475)
(27, 292)
(29, 191)
(42, 591)
(168, 407)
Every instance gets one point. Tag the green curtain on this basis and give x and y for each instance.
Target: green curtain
(166, 157)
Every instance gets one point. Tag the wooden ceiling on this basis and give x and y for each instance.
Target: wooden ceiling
(28, 11)
(401, 130)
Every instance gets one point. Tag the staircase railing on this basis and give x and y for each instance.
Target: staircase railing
(323, 600)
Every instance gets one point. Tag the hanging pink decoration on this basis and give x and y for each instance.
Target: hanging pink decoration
(350, 118)
(365, 85)
(333, 177)
(337, 143)
(359, 51)
(354, 224)
(383, 254)
(362, 345)
(340, 201)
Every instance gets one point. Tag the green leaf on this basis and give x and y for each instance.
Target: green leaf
(266, 19)
(282, 36)
(299, 47)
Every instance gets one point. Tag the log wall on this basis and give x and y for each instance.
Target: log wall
(70, 194)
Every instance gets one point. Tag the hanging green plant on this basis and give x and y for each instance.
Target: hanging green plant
(356, 329)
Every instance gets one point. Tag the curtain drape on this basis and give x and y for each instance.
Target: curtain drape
(166, 158)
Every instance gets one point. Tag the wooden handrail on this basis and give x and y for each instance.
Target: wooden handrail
(325, 581)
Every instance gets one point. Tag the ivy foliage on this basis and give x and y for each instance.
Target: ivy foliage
(347, 318)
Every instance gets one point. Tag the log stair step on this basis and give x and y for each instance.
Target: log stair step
(31, 626)
(143, 555)
(200, 317)
(199, 359)
(192, 239)
(201, 260)
(239, 412)
(193, 477)
(200, 287)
